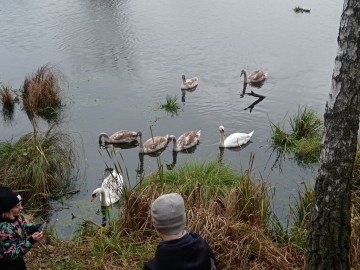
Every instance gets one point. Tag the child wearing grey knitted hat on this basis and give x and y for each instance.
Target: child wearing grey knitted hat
(179, 249)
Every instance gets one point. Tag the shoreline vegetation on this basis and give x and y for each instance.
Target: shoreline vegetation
(232, 210)
(229, 209)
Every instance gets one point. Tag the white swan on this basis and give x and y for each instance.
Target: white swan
(233, 140)
(110, 189)
(119, 137)
(186, 140)
(189, 83)
(153, 144)
(254, 77)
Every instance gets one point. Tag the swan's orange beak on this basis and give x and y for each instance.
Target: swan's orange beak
(93, 196)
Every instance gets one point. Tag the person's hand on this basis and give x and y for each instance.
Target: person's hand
(37, 236)
(34, 228)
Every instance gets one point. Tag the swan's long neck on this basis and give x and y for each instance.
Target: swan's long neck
(222, 139)
(183, 79)
(105, 136)
(173, 138)
(141, 146)
(102, 195)
(245, 76)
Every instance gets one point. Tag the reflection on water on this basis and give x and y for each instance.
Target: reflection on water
(122, 57)
(252, 93)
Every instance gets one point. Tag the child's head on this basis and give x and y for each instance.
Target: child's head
(168, 214)
(8, 200)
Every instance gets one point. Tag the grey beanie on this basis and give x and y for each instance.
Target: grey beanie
(168, 213)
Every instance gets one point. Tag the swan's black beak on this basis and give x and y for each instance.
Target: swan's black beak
(93, 196)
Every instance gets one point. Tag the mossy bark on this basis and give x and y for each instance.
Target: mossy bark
(328, 240)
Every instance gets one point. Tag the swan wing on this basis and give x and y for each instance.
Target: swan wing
(156, 143)
(190, 83)
(124, 136)
(257, 75)
(188, 140)
(112, 187)
(237, 139)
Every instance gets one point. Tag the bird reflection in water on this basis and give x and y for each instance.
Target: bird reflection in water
(183, 93)
(252, 93)
(220, 158)
(171, 166)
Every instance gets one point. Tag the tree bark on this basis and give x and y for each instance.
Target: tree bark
(328, 238)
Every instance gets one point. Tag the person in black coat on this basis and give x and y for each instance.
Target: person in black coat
(179, 249)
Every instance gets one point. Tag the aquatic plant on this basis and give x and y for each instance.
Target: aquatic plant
(42, 93)
(171, 105)
(305, 124)
(298, 9)
(304, 137)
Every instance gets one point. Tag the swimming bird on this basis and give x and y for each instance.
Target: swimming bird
(186, 140)
(233, 140)
(254, 77)
(154, 144)
(119, 137)
(189, 83)
(110, 189)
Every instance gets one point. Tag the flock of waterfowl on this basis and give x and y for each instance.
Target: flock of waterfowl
(156, 144)
(190, 138)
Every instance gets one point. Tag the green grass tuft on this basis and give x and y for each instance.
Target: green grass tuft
(171, 105)
(304, 137)
(38, 164)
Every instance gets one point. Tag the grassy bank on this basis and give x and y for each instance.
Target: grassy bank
(229, 209)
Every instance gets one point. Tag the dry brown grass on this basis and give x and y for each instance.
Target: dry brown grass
(238, 242)
(42, 90)
(6, 98)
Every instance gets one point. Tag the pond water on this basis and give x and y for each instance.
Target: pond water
(121, 58)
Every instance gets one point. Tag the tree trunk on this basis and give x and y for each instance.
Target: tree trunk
(328, 239)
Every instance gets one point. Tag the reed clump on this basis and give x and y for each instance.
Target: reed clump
(38, 164)
(304, 137)
(6, 98)
(41, 91)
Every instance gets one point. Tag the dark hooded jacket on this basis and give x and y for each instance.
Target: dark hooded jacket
(190, 252)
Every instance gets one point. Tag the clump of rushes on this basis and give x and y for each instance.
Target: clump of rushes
(41, 92)
(298, 9)
(6, 98)
(171, 105)
(8, 102)
(38, 164)
(303, 140)
(300, 217)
